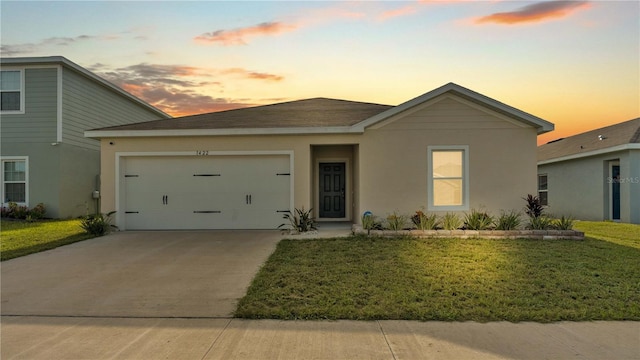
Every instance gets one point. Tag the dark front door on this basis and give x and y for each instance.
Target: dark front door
(332, 190)
(615, 192)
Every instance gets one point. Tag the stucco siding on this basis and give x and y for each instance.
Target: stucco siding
(634, 186)
(38, 124)
(581, 187)
(89, 105)
(389, 173)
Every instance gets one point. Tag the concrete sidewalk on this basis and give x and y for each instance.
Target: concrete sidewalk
(25, 337)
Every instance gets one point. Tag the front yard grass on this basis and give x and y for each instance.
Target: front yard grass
(453, 279)
(20, 238)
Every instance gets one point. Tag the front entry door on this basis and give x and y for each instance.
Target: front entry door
(332, 190)
(615, 192)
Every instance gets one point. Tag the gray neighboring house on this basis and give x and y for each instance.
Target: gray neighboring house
(594, 175)
(47, 104)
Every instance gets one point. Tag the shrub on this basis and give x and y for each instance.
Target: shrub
(541, 222)
(423, 221)
(301, 222)
(396, 221)
(533, 208)
(563, 223)
(15, 211)
(508, 220)
(477, 220)
(97, 224)
(451, 221)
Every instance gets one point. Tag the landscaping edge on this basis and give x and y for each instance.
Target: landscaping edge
(476, 234)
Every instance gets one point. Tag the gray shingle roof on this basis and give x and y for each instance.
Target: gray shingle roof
(627, 132)
(316, 112)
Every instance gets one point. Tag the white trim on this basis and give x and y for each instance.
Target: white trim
(21, 70)
(120, 222)
(623, 147)
(465, 177)
(26, 177)
(348, 206)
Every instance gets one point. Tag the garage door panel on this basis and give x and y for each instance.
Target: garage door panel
(210, 192)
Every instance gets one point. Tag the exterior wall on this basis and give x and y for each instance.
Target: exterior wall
(62, 176)
(38, 124)
(389, 168)
(393, 158)
(300, 145)
(581, 187)
(89, 105)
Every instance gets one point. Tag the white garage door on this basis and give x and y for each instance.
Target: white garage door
(206, 192)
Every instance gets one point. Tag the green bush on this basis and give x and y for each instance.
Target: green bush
(541, 222)
(508, 220)
(396, 221)
(563, 223)
(97, 224)
(424, 221)
(477, 220)
(301, 221)
(451, 221)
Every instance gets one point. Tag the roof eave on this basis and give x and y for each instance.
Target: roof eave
(98, 134)
(623, 147)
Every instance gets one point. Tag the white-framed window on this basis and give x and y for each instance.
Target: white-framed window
(15, 180)
(12, 91)
(543, 189)
(448, 178)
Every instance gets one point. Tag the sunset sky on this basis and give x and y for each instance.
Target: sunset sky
(574, 63)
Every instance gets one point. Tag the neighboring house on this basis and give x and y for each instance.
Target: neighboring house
(449, 150)
(594, 175)
(47, 104)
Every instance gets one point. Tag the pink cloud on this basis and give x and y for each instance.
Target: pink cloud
(539, 11)
(402, 11)
(239, 36)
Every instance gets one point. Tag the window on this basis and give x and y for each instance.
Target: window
(11, 91)
(542, 189)
(448, 182)
(14, 180)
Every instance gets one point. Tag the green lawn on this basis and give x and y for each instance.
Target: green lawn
(435, 279)
(20, 238)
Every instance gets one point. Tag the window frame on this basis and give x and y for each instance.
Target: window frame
(465, 178)
(21, 91)
(5, 159)
(545, 190)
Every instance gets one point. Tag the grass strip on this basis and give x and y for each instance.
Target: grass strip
(482, 280)
(20, 238)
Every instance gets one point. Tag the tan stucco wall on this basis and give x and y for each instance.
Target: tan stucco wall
(388, 163)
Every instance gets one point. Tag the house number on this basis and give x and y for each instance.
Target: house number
(202, 152)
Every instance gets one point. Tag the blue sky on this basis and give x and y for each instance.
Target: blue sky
(574, 63)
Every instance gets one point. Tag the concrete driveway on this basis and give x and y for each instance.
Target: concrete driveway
(138, 274)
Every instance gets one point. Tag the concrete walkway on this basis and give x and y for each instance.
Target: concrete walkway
(26, 337)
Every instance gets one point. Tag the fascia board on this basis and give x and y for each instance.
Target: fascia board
(623, 147)
(221, 132)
